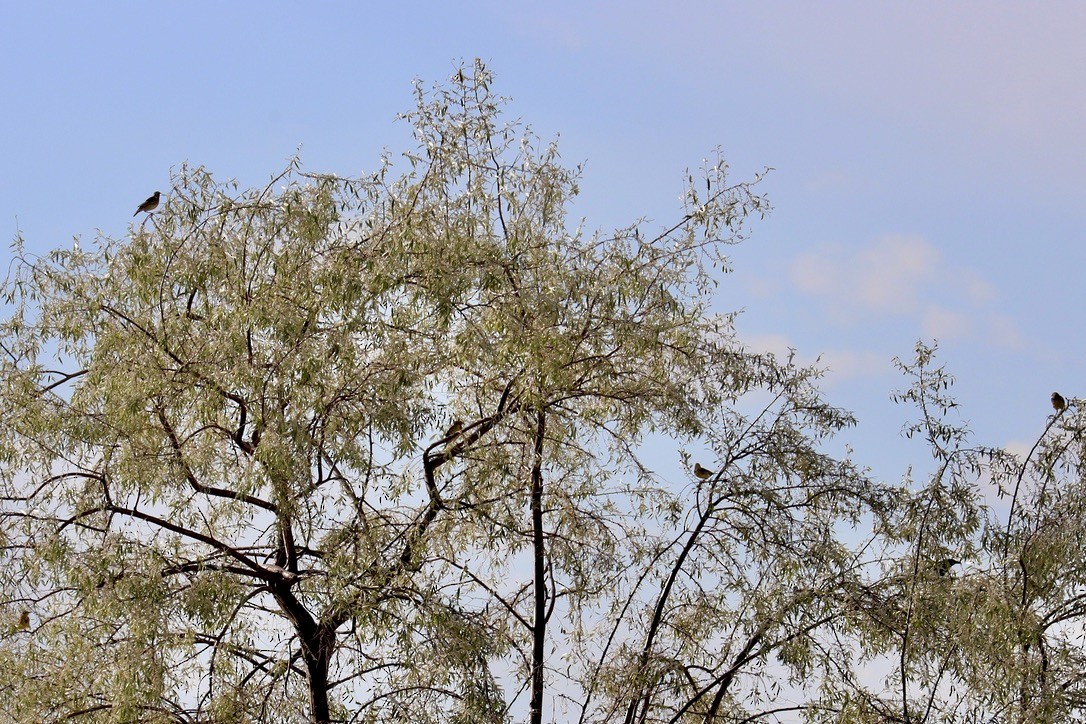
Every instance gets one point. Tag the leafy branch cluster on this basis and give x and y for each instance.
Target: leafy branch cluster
(407, 447)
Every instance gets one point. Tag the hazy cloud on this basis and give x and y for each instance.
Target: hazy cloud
(847, 364)
(841, 364)
(888, 276)
(941, 323)
(904, 276)
(977, 288)
(973, 73)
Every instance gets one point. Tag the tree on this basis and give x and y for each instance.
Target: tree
(1002, 641)
(409, 447)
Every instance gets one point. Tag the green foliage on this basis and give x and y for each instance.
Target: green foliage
(1014, 609)
(229, 495)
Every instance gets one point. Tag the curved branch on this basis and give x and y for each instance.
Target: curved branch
(199, 487)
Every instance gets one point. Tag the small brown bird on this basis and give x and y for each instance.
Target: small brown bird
(455, 429)
(451, 434)
(1058, 403)
(24, 621)
(150, 204)
(702, 473)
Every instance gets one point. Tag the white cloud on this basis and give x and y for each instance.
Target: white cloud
(888, 276)
(904, 276)
(895, 270)
(1019, 448)
(841, 364)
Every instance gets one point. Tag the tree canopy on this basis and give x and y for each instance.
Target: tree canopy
(416, 446)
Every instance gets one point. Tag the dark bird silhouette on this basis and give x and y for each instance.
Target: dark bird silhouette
(150, 204)
(1058, 403)
(702, 473)
(943, 567)
(24, 621)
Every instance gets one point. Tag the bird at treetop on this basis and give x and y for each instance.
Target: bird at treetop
(1058, 402)
(943, 567)
(455, 429)
(702, 473)
(150, 204)
(24, 621)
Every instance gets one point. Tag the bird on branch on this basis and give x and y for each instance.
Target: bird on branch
(454, 429)
(150, 204)
(702, 473)
(451, 434)
(1058, 403)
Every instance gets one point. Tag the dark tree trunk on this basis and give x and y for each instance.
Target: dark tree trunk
(317, 652)
(317, 644)
(539, 625)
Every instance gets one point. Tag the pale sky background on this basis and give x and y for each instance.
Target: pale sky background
(930, 160)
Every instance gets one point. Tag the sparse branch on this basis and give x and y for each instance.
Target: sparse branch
(251, 565)
(179, 457)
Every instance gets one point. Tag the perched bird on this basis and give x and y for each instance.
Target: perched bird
(701, 473)
(24, 621)
(150, 204)
(943, 567)
(451, 434)
(1058, 402)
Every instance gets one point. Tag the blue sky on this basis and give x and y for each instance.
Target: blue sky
(930, 162)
